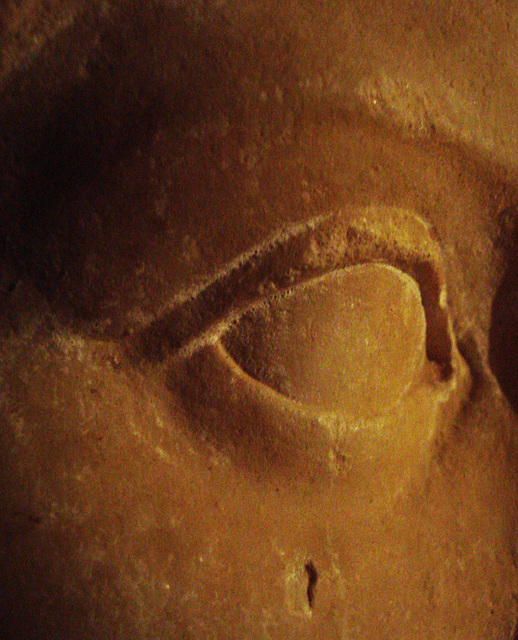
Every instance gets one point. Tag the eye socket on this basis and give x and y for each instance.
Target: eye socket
(351, 341)
(332, 349)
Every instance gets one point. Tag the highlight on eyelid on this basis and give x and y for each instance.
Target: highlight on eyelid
(352, 340)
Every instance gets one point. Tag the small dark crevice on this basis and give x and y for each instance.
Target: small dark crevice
(503, 336)
(469, 350)
(312, 582)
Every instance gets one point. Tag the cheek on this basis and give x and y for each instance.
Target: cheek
(125, 511)
(101, 495)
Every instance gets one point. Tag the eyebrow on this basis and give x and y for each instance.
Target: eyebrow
(302, 252)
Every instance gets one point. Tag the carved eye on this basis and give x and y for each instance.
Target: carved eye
(351, 341)
(330, 349)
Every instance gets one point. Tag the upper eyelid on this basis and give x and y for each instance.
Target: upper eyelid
(303, 252)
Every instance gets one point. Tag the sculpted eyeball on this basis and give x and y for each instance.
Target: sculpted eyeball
(352, 341)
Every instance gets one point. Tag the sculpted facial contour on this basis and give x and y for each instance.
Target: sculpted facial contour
(249, 338)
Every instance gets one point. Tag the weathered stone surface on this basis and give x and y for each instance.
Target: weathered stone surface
(165, 167)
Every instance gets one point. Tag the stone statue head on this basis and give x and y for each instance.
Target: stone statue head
(258, 362)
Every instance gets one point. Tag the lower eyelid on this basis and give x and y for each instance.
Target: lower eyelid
(265, 432)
